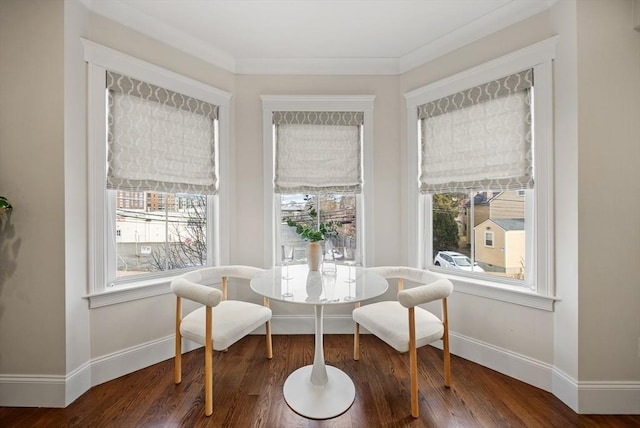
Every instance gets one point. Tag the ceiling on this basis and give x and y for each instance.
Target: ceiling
(317, 36)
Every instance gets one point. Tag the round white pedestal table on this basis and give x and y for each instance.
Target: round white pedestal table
(319, 391)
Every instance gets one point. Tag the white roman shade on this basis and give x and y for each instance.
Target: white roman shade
(479, 139)
(318, 152)
(159, 140)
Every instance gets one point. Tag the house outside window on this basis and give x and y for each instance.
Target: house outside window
(157, 177)
(318, 151)
(484, 143)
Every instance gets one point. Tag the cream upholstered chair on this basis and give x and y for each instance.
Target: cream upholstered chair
(404, 325)
(220, 322)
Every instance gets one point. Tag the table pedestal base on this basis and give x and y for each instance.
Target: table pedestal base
(319, 402)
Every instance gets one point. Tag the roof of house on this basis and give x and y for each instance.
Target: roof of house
(509, 223)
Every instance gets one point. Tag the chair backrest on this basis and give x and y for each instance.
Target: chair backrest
(436, 290)
(184, 288)
(416, 275)
(204, 275)
(431, 285)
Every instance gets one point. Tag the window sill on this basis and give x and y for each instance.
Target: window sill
(504, 293)
(131, 291)
(135, 290)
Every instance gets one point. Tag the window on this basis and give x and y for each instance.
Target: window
(488, 239)
(483, 142)
(157, 176)
(317, 159)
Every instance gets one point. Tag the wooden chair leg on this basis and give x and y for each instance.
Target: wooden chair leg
(177, 363)
(269, 343)
(447, 361)
(265, 302)
(356, 343)
(445, 345)
(208, 366)
(356, 339)
(413, 363)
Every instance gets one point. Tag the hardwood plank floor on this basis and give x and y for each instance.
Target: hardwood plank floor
(248, 393)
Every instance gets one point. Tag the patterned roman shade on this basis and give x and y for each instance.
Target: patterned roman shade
(318, 152)
(479, 139)
(159, 140)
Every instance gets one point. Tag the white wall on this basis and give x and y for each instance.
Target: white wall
(609, 190)
(32, 256)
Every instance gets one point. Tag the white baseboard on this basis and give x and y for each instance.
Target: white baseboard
(78, 382)
(512, 364)
(32, 390)
(112, 366)
(60, 391)
(582, 397)
(565, 388)
(610, 398)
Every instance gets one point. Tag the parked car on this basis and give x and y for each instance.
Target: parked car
(455, 260)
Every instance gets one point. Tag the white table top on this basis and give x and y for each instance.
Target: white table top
(316, 288)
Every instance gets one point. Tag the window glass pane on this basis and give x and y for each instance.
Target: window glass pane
(340, 211)
(159, 232)
(336, 211)
(481, 232)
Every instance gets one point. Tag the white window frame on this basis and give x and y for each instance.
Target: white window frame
(364, 201)
(99, 59)
(541, 295)
(488, 233)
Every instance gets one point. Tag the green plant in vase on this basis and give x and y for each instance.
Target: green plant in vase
(314, 234)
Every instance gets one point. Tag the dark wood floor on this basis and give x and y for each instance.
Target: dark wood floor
(248, 393)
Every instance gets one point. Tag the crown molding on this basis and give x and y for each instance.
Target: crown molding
(149, 26)
(497, 20)
(317, 66)
(507, 15)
